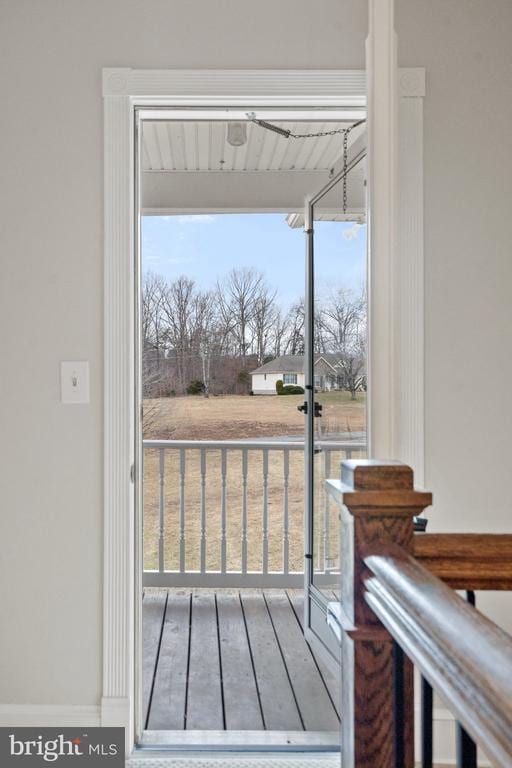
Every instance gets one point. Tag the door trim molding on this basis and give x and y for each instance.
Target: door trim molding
(124, 89)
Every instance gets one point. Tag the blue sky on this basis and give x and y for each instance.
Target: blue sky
(206, 247)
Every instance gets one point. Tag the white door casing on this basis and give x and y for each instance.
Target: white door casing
(400, 296)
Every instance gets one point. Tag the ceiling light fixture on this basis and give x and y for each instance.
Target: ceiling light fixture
(237, 134)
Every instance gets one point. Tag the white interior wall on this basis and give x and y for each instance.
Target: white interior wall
(465, 47)
(51, 55)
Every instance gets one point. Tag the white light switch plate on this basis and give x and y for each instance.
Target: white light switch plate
(74, 382)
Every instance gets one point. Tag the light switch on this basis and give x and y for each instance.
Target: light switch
(74, 382)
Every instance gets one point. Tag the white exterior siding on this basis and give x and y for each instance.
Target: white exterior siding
(265, 383)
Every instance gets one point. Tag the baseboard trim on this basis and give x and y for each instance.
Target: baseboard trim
(63, 715)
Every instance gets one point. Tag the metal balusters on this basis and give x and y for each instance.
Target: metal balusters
(399, 704)
(265, 511)
(203, 510)
(427, 694)
(286, 521)
(223, 513)
(182, 537)
(466, 747)
(244, 510)
(161, 507)
(427, 723)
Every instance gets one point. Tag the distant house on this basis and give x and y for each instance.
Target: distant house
(290, 370)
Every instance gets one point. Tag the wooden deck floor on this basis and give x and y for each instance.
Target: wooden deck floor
(232, 660)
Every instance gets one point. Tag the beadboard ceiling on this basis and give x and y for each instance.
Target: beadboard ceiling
(203, 146)
(189, 167)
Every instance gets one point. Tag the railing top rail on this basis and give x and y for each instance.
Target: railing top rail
(295, 445)
(467, 560)
(464, 655)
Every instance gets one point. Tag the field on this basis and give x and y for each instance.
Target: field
(232, 418)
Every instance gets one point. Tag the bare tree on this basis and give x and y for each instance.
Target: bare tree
(215, 336)
(352, 364)
(295, 321)
(153, 290)
(237, 296)
(209, 335)
(278, 333)
(178, 310)
(263, 320)
(153, 335)
(341, 317)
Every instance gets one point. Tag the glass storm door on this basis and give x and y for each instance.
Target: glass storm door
(335, 389)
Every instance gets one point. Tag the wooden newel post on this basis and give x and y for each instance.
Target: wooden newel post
(378, 503)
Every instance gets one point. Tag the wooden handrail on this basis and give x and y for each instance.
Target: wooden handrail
(467, 560)
(395, 611)
(377, 504)
(464, 655)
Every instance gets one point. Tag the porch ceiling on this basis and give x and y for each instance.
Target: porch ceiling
(189, 167)
(203, 146)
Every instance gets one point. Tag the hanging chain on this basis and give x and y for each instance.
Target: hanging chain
(320, 133)
(344, 131)
(289, 135)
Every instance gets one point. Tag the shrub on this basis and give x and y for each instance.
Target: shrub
(196, 387)
(279, 387)
(292, 389)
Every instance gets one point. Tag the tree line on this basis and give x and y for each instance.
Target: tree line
(210, 340)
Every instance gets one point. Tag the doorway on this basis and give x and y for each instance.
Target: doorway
(223, 505)
(400, 434)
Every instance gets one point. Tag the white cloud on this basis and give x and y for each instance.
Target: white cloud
(352, 232)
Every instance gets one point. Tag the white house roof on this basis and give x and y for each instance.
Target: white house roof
(295, 363)
(284, 364)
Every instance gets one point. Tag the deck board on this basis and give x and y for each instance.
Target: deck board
(204, 701)
(330, 679)
(276, 694)
(244, 667)
(153, 607)
(241, 702)
(170, 687)
(310, 690)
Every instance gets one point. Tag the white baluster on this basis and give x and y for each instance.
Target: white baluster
(265, 511)
(327, 522)
(203, 510)
(223, 521)
(286, 539)
(161, 531)
(182, 510)
(244, 510)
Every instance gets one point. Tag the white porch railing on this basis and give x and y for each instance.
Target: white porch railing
(229, 513)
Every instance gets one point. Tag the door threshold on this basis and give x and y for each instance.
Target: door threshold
(145, 758)
(240, 741)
